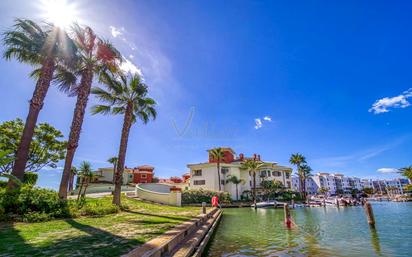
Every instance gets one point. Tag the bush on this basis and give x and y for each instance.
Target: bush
(3, 184)
(30, 178)
(199, 196)
(31, 203)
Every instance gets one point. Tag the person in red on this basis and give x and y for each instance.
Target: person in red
(215, 201)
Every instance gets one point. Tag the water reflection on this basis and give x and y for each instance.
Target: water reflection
(375, 241)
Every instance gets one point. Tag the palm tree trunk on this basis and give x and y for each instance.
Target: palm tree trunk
(85, 187)
(71, 180)
(114, 173)
(254, 186)
(80, 189)
(36, 104)
(218, 174)
(76, 127)
(122, 153)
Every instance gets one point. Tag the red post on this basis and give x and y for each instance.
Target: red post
(288, 220)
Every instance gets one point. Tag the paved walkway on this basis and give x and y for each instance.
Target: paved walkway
(95, 195)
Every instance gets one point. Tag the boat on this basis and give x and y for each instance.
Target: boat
(265, 204)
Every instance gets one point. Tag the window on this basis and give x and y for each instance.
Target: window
(287, 175)
(143, 175)
(288, 183)
(197, 173)
(224, 170)
(199, 182)
(276, 174)
(222, 181)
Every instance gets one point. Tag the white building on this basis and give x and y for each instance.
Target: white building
(205, 176)
(311, 186)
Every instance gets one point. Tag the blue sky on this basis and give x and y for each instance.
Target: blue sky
(332, 77)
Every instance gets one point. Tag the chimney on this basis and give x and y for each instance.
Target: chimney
(258, 157)
(254, 156)
(241, 156)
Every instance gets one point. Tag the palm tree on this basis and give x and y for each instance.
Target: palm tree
(113, 160)
(407, 172)
(217, 154)
(298, 159)
(236, 181)
(252, 166)
(95, 55)
(44, 47)
(73, 172)
(84, 174)
(323, 190)
(305, 172)
(127, 96)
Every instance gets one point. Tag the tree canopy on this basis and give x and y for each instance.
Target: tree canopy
(46, 149)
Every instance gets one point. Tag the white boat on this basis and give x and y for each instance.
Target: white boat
(265, 204)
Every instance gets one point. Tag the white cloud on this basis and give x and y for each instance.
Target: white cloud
(383, 105)
(51, 168)
(388, 170)
(258, 123)
(116, 31)
(128, 67)
(267, 118)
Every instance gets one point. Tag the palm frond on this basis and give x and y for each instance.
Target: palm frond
(101, 109)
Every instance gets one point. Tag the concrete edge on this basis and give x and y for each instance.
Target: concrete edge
(167, 241)
(201, 247)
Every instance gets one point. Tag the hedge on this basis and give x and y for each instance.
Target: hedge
(199, 196)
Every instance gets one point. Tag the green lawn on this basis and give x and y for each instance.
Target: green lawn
(109, 235)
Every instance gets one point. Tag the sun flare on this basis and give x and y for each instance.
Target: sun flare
(59, 12)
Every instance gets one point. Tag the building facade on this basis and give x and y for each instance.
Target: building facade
(137, 175)
(205, 176)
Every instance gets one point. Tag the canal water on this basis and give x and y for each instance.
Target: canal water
(319, 232)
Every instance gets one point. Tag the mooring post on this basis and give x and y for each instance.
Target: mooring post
(203, 207)
(369, 214)
(293, 203)
(288, 221)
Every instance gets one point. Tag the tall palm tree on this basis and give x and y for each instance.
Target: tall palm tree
(252, 166)
(407, 172)
(42, 47)
(217, 154)
(73, 172)
(127, 96)
(298, 159)
(236, 181)
(95, 55)
(305, 172)
(113, 160)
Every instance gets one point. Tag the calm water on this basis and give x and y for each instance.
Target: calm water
(320, 232)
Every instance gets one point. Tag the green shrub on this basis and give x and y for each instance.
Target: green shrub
(31, 203)
(36, 217)
(30, 178)
(3, 184)
(199, 196)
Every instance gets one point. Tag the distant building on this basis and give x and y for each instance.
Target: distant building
(311, 186)
(204, 175)
(143, 174)
(137, 175)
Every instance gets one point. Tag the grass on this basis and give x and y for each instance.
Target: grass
(106, 235)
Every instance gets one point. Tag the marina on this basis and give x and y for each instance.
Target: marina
(315, 232)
